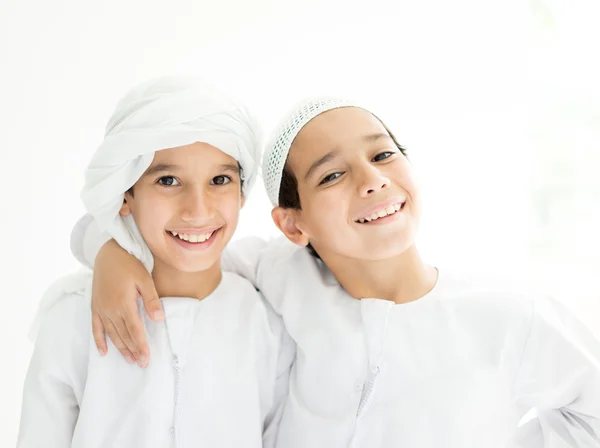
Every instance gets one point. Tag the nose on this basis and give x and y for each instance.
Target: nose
(195, 205)
(371, 180)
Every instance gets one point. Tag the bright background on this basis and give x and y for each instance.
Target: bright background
(497, 102)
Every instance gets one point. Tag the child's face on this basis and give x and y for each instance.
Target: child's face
(186, 205)
(349, 169)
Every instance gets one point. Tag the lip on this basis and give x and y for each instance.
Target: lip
(190, 231)
(195, 246)
(386, 219)
(374, 209)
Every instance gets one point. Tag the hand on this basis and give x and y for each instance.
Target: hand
(119, 280)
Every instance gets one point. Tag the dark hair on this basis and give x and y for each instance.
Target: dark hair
(288, 189)
(130, 191)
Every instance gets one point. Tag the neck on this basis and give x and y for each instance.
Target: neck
(401, 279)
(171, 282)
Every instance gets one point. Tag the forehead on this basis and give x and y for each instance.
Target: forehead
(335, 129)
(199, 151)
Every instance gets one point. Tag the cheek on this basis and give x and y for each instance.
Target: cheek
(410, 185)
(151, 214)
(402, 175)
(229, 207)
(327, 212)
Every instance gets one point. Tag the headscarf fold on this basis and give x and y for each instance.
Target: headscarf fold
(160, 114)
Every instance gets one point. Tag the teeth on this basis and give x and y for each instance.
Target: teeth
(193, 238)
(389, 210)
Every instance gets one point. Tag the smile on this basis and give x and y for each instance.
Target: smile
(192, 238)
(382, 213)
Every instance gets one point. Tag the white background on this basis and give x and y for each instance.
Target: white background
(497, 103)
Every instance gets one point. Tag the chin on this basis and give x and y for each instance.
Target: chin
(191, 266)
(386, 251)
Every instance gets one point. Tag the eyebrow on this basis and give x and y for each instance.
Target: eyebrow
(374, 137)
(162, 167)
(159, 168)
(332, 154)
(230, 167)
(326, 158)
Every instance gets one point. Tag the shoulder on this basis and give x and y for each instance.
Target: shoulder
(281, 253)
(238, 294)
(496, 296)
(237, 285)
(64, 318)
(286, 270)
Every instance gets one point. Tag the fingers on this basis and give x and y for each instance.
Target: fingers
(150, 298)
(123, 331)
(135, 328)
(116, 339)
(99, 334)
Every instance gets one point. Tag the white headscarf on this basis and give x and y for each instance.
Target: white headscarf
(159, 114)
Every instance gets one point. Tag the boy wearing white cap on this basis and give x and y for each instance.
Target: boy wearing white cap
(391, 351)
(167, 183)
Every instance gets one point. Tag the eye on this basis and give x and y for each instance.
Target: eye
(330, 178)
(168, 181)
(220, 180)
(383, 155)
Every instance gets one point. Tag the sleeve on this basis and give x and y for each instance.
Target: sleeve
(559, 381)
(50, 406)
(242, 257)
(86, 240)
(285, 359)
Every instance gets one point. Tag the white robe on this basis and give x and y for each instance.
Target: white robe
(458, 368)
(213, 379)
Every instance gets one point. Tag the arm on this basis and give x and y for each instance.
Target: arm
(50, 406)
(86, 240)
(120, 279)
(242, 257)
(559, 377)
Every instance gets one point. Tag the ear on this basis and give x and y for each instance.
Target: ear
(243, 201)
(285, 220)
(125, 208)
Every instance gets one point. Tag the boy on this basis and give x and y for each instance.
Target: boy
(391, 351)
(167, 183)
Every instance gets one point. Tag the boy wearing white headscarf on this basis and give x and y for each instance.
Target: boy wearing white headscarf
(167, 183)
(393, 352)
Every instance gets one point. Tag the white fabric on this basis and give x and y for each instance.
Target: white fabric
(212, 381)
(458, 368)
(219, 367)
(279, 144)
(159, 114)
(87, 238)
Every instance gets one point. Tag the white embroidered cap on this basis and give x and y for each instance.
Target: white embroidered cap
(278, 146)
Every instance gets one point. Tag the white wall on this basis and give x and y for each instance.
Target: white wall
(497, 103)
